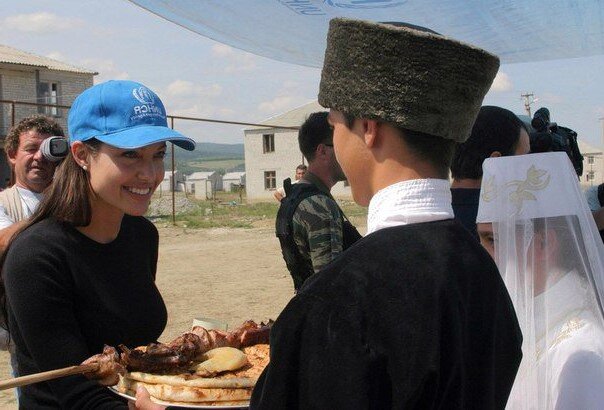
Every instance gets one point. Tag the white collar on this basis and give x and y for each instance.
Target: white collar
(409, 202)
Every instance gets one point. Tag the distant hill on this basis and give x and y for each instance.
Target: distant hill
(209, 156)
(211, 150)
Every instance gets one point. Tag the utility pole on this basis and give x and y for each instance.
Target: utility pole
(528, 100)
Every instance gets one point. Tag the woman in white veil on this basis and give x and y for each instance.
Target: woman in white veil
(536, 224)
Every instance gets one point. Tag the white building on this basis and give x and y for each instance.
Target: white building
(31, 78)
(593, 165)
(166, 183)
(232, 178)
(203, 185)
(272, 154)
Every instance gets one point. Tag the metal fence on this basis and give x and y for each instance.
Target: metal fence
(11, 112)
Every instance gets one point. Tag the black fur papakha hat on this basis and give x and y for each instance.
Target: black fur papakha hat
(416, 80)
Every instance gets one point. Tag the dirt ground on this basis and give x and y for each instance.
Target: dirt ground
(227, 274)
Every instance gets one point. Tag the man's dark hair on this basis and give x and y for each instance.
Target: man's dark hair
(315, 130)
(495, 129)
(437, 151)
(302, 167)
(39, 123)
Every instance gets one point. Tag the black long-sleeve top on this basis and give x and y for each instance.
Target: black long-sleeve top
(68, 296)
(409, 317)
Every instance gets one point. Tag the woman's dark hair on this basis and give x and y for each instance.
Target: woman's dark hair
(495, 129)
(66, 200)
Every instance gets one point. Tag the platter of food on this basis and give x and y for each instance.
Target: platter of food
(199, 369)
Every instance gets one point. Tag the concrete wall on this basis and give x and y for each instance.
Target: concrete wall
(204, 188)
(593, 169)
(283, 160)
(228, 183)
(20, 83)
(166, 184)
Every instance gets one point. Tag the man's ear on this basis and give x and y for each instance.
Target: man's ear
(80, 153)
(495, 154)
(11, 155)
(370, 132)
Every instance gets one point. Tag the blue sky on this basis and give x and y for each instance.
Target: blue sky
(199, 77)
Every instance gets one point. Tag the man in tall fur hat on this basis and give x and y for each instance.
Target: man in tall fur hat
(414, 315)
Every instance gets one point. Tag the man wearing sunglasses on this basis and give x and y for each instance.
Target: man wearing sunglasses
(311, 227)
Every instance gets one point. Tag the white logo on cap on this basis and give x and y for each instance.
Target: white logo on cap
(143, 95)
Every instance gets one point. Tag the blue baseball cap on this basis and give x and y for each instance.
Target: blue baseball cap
(124, 114)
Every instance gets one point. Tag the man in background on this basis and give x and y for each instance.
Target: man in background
(32, 173)
(311, 227)
(300, 171)
(497, 132)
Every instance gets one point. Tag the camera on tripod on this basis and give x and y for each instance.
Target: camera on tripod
(54, 148)
(547, 136)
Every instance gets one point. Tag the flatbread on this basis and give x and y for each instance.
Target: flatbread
(184, 394)
(192, 381)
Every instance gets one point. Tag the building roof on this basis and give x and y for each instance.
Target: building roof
(293, 118)
(168, 173)
(13, 56)
(233, 175)
(200, 175)
(586, 148)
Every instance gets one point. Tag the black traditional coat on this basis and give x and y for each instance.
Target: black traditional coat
(410, 317)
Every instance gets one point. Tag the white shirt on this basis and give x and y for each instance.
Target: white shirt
(573, 333)
(409, 202)
(29, 202)
(569, 353)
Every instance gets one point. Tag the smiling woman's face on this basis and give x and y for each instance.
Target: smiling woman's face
(123, 180)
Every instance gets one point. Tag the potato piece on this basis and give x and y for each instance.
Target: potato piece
(221, 359)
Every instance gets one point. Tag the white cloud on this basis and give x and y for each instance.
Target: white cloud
(235, 60)
(182, 88)
(188, 99)
(291, 94)
(501, 83)
(550, 98)
(42, 22)
(277, 104)
(222, 50)
(107, 70)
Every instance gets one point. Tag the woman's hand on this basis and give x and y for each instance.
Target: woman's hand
(143, 401)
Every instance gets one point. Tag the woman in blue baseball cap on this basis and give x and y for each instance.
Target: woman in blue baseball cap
(81, 274)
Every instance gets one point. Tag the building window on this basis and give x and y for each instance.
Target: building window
(270, 179)
(48, 94)
(268, 143)
(590, 159)
(590, 176)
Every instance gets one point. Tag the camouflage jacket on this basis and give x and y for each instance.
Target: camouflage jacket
(317, 227)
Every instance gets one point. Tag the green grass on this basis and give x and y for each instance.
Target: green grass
(229, 210)
(220, 164)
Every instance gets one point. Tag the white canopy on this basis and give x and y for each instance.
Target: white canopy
(294, 31)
